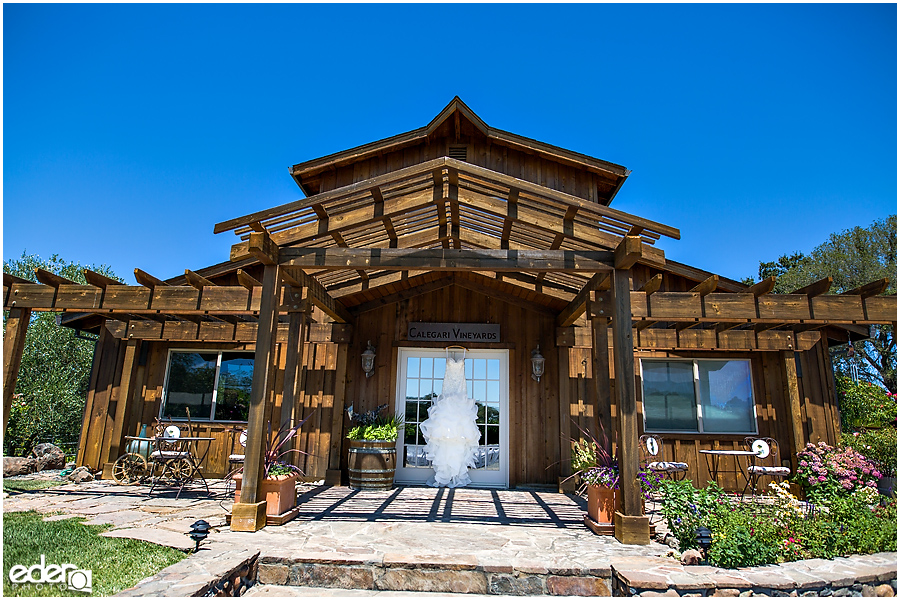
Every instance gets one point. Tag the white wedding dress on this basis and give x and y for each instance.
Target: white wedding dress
(450, 432)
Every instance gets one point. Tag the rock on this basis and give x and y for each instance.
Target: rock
(70, 465)
(671, 541)
(81, 475)
(48, 456)
(17, 465)
(691, 557)
(884, 591)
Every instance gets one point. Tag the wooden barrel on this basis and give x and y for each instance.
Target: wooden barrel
(372, 464)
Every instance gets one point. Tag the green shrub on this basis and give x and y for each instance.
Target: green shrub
(863, 404)
(686, 508)
(879, 445)
(743, 537)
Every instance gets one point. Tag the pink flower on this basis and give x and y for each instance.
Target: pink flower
(821, 478)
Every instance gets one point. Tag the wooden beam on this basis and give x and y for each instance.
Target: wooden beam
(600, 369)
(13, 348)
(147, 280)
(870, 289)
(98, 280)
(246, 280)
(652, 285)
(197, 281)
(628, 252)
(9, 280)
(763, 287)
(707, 286)
(816, 289)
(792, 391)
(52, 279)
(406, 294)
(512, 200)
(259, 391)
(447, 259)
(293, 367)
(318, 295)
(577, 306)
(260, 246)
(626, 402)
(123, 398)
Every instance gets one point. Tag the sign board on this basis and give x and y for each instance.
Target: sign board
(453, 332)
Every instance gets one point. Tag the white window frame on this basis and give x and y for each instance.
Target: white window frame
(212, 410)
(696, 371)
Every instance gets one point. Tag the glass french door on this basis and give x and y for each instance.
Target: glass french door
(419, 383)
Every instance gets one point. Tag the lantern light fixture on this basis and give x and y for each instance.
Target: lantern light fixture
(537, 364)
(199, 531)
(368, 359)
(704, 540)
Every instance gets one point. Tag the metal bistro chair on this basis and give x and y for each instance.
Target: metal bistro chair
(169, 456)
(234, 458)
(651, 447)
(764, 448)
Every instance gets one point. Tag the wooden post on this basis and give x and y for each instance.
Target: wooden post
(599, 311)
(250, 514)
(630, 525)
(13, 347)
(565, 421)
(293, 367)
(792, 388)
(124, 398)
(333, 471)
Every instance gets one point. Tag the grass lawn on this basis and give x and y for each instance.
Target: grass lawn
(28, 485)
(116, 563)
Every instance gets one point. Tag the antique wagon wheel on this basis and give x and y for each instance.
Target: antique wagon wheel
(181, 469)
(129, 468)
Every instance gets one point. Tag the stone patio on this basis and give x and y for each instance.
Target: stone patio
(518, 542)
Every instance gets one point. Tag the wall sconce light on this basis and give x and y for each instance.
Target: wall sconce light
(537, 363)
(368, 359)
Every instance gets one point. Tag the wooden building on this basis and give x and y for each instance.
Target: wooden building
(457, 234)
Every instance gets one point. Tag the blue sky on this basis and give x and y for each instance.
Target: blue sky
(130, 130)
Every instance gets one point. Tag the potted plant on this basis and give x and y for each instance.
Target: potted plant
(599, 473)
(373, 449)
(279, 476)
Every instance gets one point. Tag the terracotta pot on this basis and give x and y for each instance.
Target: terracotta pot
(602, 503)
(279, 492)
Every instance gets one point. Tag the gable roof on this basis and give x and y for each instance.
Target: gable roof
(458, 107)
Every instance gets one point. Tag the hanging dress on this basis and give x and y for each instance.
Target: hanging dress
(451, 436)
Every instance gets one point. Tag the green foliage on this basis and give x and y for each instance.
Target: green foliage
(376, 426)
(778, 529)
(117, 563)
(852, 257)
(29, 485)
(879, 445)
(55, 370)
(687, 508)
(863, 404)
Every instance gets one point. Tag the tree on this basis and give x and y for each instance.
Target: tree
(852, 257)
(56, 367)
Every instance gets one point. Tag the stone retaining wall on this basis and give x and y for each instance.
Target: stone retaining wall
(198, 574)
(857, 575)
(454, 574)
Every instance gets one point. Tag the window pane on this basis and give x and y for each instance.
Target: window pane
(726, 396)
(235, 377)
(412, 388)
(412, 367)
(669, 396)
(426, 367)
(492, 413)
(409, 432)
(493, 367)
(493, 391)
(480, 368)
(468, 366)
(480, 394)
(440, 366)
(191, 381)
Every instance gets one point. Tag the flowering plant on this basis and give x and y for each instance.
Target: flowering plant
(825, 471)
(592, 461)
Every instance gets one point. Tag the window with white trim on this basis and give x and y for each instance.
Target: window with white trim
(702, 396)
(212, 385)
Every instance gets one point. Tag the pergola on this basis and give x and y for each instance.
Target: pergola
(439, 223)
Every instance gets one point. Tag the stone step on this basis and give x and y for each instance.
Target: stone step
(449, 574)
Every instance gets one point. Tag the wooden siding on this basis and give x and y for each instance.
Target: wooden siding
(316, 398)
(480, 151)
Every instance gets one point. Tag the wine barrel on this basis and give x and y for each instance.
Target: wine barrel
(372, 464)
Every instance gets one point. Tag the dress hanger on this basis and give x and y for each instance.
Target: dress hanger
(449, 348)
